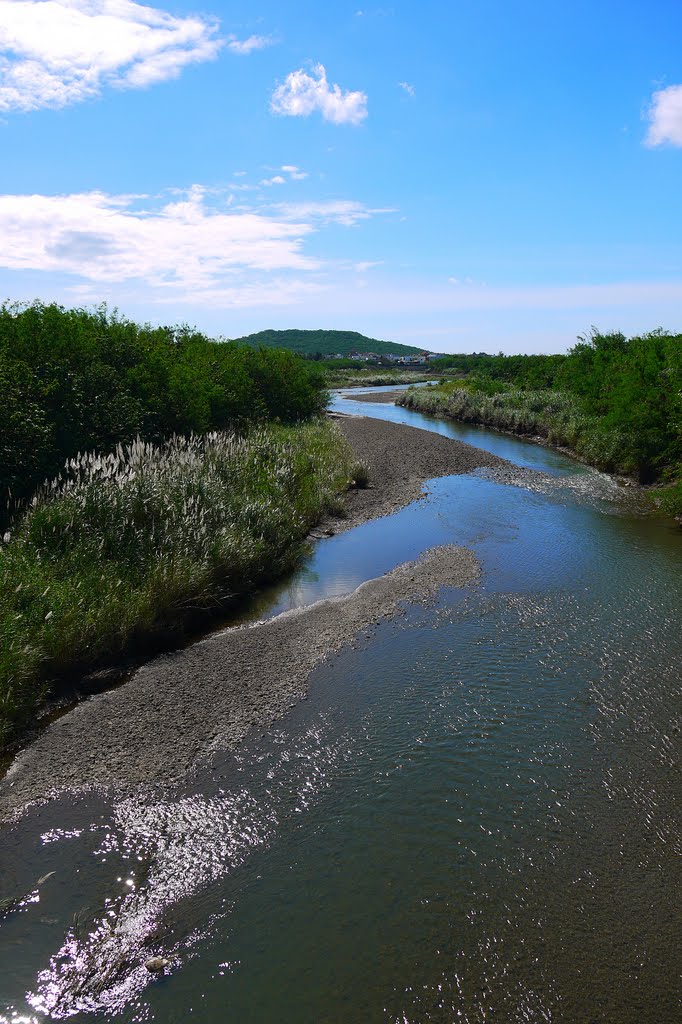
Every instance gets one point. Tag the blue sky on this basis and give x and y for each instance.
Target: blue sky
(468, 176)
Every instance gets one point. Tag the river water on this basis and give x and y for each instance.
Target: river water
(476, 814)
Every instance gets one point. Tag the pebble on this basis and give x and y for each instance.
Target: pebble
(156, 964)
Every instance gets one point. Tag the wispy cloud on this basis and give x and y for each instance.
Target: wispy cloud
(57, 52)
(406, 87)
(292, 174)
(295, 173)
(665, 117)
(334, 211)
(184, 244)
(412, 296)
(244, 47)
(301, 94)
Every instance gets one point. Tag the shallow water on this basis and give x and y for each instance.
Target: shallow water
(475, 815)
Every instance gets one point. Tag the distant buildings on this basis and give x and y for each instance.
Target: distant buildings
(393, 358)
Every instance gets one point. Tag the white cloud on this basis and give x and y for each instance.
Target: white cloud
(185, 246)
(277, 180)
(57, 52)
(665, 117)
(335, 211)
(244, 47)
(192, 241)
(409, 89)
(295, 173)
(301, 94)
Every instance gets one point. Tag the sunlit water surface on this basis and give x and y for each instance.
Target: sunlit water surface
(475, 815)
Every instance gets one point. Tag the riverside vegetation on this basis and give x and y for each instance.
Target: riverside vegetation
(374, 376)
(76, 380)
(166, 516)
(616, 403)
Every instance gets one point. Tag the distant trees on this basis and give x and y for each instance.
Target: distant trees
(631, 387)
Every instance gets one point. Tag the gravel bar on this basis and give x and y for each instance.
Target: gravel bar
(179, 707)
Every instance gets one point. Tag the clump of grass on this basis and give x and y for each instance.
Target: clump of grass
(360, 474)
(128, 545)
(669, 500)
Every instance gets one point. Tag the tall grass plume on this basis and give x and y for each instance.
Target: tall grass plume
(126, 546)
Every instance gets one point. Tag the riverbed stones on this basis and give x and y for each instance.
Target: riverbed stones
(157, 964)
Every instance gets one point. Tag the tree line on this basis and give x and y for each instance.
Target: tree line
(632, 385)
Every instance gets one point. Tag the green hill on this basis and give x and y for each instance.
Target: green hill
(328, 343)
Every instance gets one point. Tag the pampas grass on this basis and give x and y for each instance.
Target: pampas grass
(127, 546)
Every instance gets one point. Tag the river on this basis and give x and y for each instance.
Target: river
(475, 815)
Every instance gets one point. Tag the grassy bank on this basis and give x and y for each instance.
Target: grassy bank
(553, 415)
(127, 547)
(375, 377)
(556, 416)
(615, 401)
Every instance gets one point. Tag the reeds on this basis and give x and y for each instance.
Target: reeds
(554, 415)
(127, 546)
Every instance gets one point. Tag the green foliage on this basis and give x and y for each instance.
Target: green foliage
(374, 376)
(324, 343)
(617, 402)
(343, 364)
(669, 500)
(74, 380)
(526, 371)
(128, 546)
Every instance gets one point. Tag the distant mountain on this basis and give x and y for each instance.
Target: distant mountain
(328, 343)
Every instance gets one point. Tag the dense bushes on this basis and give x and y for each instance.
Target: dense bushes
(617, 402)
(129, 545)
(75, 380)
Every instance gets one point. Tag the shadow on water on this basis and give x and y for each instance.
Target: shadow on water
(474, 816)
